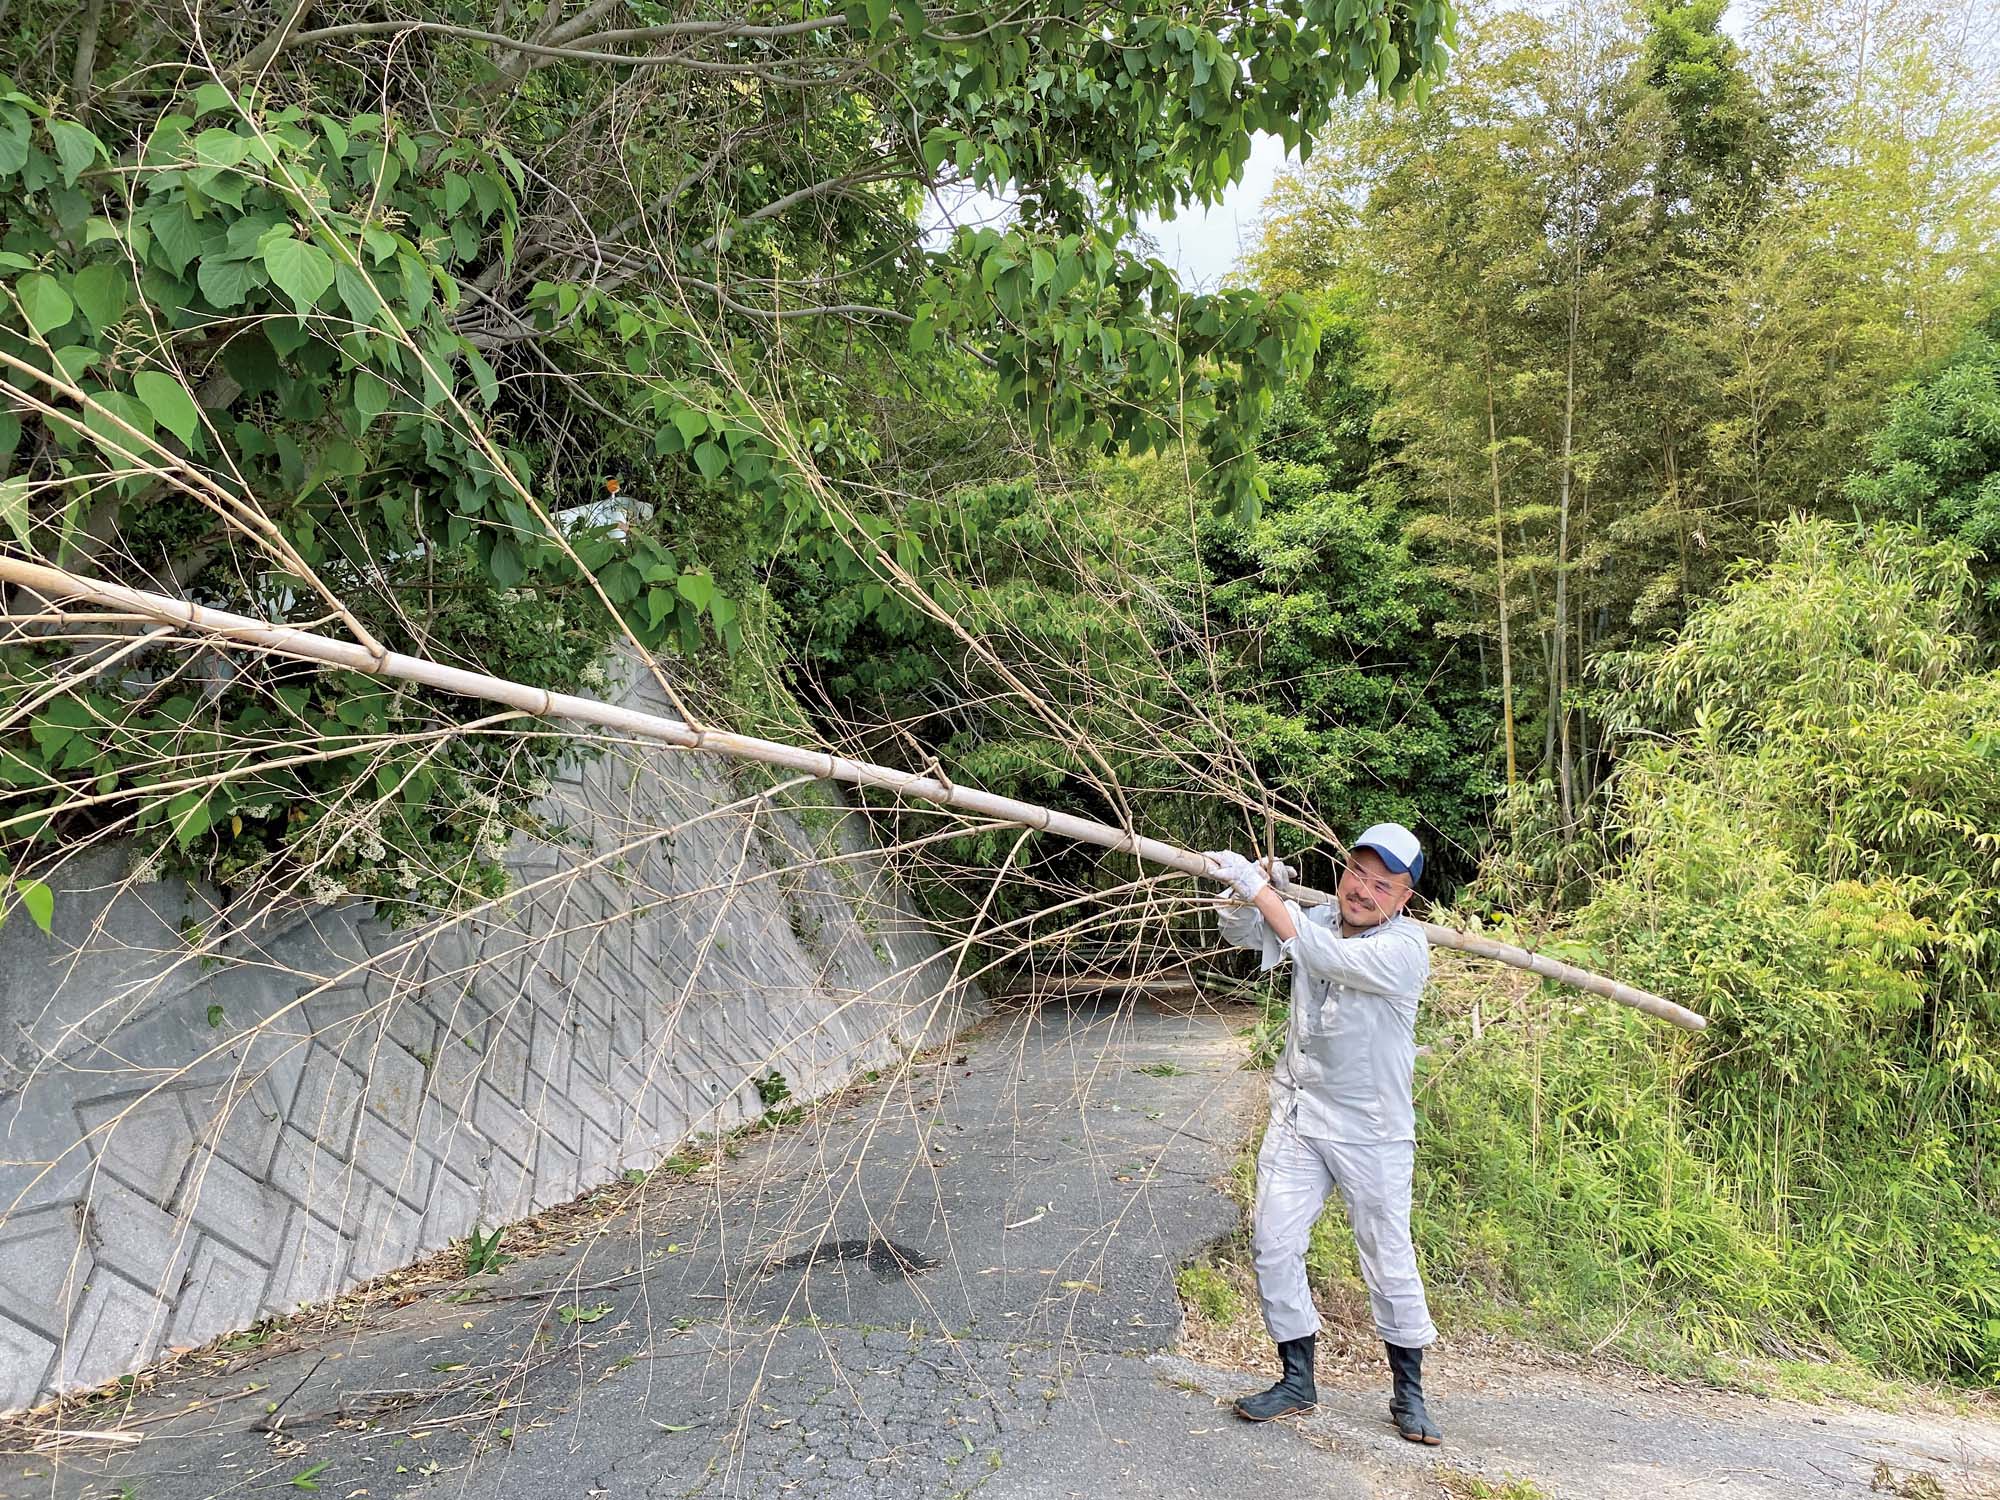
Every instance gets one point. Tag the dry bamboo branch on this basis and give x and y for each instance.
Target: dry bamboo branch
(55, 583)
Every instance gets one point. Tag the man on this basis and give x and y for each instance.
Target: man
(1341, 1107)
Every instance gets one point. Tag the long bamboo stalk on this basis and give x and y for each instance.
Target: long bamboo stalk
(56, 583)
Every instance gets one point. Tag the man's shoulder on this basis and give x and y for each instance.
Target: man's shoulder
(1408, 930)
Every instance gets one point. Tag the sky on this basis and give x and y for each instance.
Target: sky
(1202, 245)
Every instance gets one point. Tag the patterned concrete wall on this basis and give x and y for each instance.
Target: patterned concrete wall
(188, 1144)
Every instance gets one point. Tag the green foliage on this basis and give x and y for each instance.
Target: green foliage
(1299, 645)
(482, 1252)
(1632, 289)
(302, 348)
(1210, 1293)
(772, 1089)
(1807, 859)
(1935, 461)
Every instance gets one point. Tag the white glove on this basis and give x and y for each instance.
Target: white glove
(1236, 871)
(1280, 873)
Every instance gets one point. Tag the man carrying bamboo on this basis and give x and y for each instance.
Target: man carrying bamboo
(1342, 1113)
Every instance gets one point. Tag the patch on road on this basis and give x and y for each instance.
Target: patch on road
(884, 1257)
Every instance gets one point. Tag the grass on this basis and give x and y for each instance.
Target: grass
(1509, 1249)
(1210, 1293)
(1463, 1486)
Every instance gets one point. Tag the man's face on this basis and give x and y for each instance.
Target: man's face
(1369, 892)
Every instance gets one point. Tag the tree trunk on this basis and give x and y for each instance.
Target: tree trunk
(55, 585)
(1500, 571)
(1560, 691)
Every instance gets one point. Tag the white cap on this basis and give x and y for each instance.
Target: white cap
(1397, 847)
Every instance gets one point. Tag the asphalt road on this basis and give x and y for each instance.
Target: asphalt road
(956, 1281)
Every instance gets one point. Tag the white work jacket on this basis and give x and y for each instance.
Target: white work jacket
(1348, 1069)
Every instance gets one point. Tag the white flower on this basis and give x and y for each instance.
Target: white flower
(146, 868)
(324, 889)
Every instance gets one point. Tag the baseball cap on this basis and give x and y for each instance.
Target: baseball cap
(1397, 847)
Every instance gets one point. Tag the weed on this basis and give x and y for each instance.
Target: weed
(1210, 1293)
(808, 926)
(482, 1252)
(773, 1089)
(1163, 1070)
(1918, 1484)
(256, 1336)
(1463, 1486)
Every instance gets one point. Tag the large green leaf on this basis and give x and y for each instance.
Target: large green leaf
(39, 900)
(226, 282)
(482, 376)
(98, 419)
(76, 149)
(217, 147)
(696, 588)
(44, 301)
(358, 295)
(103, 291)
(189, 814)
(13, 140)
(14, 507)
(302, 271)
(171, 405)
(371, 394)
(180, 239)
(506, 565)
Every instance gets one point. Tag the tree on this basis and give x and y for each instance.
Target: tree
(1635, 291)
(369, 316)
(1935, 461)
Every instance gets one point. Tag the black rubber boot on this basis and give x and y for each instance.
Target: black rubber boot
(1294, 1392)
(1406, 1405)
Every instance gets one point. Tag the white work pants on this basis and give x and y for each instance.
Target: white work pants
(1294, 1176)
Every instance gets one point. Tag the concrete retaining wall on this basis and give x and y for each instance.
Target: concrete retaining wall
(189, 1144)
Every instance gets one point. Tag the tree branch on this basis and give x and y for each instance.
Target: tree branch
(265, 52)
(583, 50)
(779, 205)
(776, 314)
(86, 53)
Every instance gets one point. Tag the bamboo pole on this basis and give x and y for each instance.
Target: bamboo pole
(56, 583)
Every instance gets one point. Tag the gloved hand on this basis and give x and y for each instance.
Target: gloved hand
(1236, 871)
(1279, 872)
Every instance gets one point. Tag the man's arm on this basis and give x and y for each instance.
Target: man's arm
(1243, 927)
(1277, 914)
(1394, 963)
